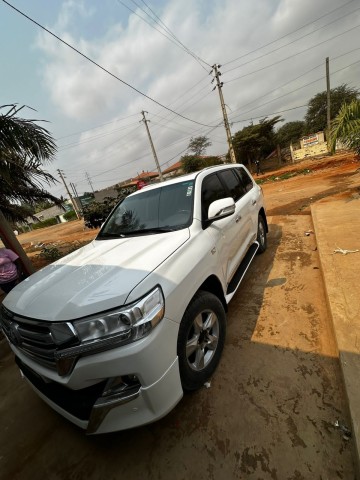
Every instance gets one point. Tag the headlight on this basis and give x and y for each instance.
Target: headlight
(126, 324)
(118, 327)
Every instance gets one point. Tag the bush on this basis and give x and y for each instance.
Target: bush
(96, 213)
(71, 215)
(45, 223)
(50, 253)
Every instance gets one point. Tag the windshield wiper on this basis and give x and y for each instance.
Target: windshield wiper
(110, 235)
(150, 230)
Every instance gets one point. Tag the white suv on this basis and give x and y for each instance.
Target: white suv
(111, 335)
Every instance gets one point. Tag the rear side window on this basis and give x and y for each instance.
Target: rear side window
(211, 190)
(245, 178)
(233, 184)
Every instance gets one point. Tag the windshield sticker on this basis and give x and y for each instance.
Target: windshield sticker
(189, 191)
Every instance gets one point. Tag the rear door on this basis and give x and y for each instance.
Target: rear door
(240, 229)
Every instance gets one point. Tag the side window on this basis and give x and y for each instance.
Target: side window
(211, 190)
(233, 184)
(245, 178)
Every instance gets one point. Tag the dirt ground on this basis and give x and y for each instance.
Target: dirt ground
(312, 180)
(272, 403)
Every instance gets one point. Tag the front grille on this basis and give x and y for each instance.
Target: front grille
(38, 339)
(77, 402)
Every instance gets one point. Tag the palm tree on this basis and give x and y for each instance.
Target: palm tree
(346, 127)
(24, 148)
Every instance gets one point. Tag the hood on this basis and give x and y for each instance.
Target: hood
(93, 279)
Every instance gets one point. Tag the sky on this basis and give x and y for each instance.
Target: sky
(158, 57)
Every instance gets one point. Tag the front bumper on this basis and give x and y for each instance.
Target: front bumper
(154, 362)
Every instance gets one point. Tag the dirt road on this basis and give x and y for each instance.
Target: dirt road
(270, 410)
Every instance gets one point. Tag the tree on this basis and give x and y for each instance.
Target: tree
(191, 163)
(198, 145)
(346, 127)
(96, 213)
(256, 141)
(316, 117)
(24, 147)
(290, 132)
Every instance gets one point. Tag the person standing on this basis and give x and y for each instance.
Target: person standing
(9, 269)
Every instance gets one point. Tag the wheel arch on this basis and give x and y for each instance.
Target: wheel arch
(263, 214)
(213, 285)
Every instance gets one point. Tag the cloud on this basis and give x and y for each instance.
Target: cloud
(273, 76)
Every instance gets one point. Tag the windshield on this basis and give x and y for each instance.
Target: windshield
(159, 210)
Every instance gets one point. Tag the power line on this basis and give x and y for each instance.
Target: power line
(291, 56)
(293, 41)
(162, 25)
(287, 34)
(293, 80)
(303, 86)
(100, 67)
(268, 114)
(95, 137)
(95, 128)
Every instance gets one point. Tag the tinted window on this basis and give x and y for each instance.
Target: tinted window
(233, 184)
(164, 207)
(245, 178)
(212, 189)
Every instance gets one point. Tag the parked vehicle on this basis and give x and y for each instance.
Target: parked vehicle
(112, 335)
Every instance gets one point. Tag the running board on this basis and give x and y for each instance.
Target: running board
(240, 272)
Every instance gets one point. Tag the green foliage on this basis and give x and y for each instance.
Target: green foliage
(24, 147)
(290, 132)
(50, 253)
(40, 206)
(193, 163)
(96, 213)
(198, 145)
(316, 117)
(71, 215)
(346, 127)
(211, 161)
(256, 141)
(45, 223)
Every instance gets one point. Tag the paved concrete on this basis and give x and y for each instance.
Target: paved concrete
(337, 226)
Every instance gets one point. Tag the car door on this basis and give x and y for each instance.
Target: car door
(221, 231)
(239, 231)
(253, 200)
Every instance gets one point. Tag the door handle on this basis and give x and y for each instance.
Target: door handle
(237, 218)
(254, 202)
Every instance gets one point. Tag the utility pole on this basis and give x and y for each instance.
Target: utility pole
(76, 195)
(89, 181)
(61, 173)
(328, 100)
(10, 241)
(152, 145)
(216, 73)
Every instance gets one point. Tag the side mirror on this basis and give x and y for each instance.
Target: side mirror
(221, 209)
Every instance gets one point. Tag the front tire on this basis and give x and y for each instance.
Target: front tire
(261, 235)
(201, 340)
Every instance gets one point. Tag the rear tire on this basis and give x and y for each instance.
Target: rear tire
(201, 340)
(261, 235)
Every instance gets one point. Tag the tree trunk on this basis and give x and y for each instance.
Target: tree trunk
(10, 241)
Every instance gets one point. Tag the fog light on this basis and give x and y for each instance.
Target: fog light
(121, 385)
(118, 391)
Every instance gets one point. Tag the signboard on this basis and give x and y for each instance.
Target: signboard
(310, 140)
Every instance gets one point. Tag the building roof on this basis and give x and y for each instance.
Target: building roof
(172, 168)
